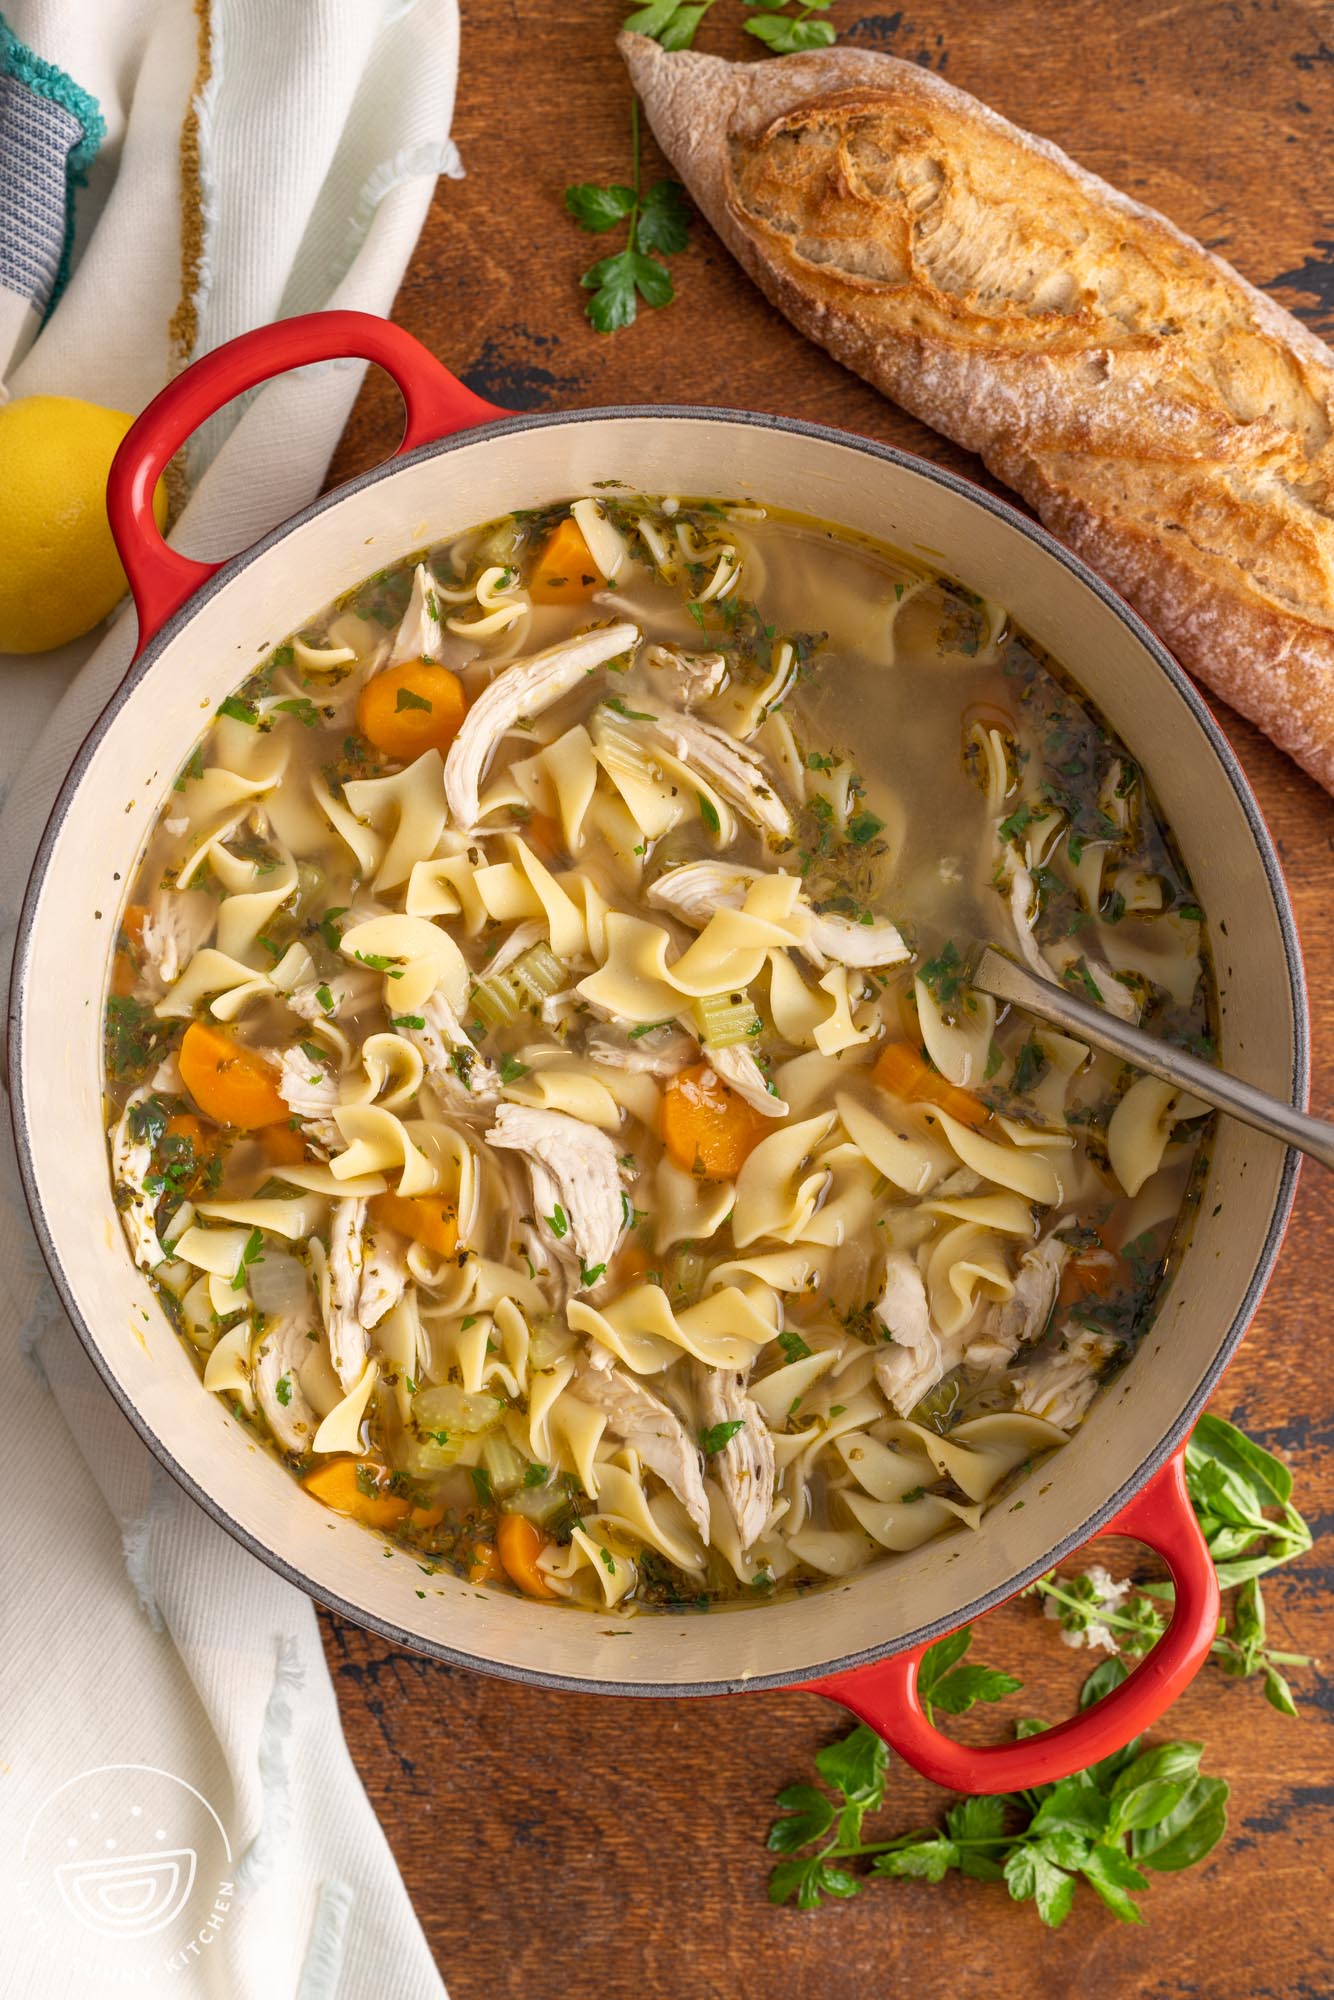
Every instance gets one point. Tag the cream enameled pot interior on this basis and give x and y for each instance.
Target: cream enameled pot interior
(115, 794)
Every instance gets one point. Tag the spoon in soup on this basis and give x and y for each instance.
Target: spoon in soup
(1004, 980)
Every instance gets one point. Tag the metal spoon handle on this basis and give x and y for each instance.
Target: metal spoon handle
(1005, 980)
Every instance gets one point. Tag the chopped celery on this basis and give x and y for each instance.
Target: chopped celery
(725, 1018)
(538, 974)
(500, 997)
(448, 1415)
(502, 1462)
(538, 1503)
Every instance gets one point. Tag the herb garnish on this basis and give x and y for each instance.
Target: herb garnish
(717, 1436)
(657, 221)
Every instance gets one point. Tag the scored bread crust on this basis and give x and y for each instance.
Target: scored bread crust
(1168, 421)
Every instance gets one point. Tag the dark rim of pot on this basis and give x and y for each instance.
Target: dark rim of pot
(965, 489)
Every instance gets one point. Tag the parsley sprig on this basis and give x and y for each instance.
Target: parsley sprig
(657, 223)
(1236, 1488)
(1136, 1811)
(1139, 1809)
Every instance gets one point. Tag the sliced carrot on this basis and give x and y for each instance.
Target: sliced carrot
(519, 1542)
(341, 1485)
(485, 1566)
(412, 708)
(707, 1127)
(230, 1083)
(565, 572)
(427, 1517)
(543, 834)
(129, 946)
(631, 1264)
(184, 1125)
(282, 1145)
(908, 1076)
(427, 1218)
(1089, 1275)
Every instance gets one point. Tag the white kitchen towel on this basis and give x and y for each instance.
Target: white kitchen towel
(178, 1810)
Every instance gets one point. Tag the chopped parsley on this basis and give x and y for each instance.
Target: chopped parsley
(557, 1223)
(717, 1436)
(708, 812)
(252, 1253)
(407, 699)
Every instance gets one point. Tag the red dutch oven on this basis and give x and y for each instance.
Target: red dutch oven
(203, 627)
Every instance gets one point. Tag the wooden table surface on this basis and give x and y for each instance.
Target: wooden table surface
(558, 1846)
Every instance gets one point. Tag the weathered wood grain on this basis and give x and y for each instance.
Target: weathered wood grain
(558, 1846)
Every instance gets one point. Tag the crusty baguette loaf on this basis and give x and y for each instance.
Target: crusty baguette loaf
(1162, 416)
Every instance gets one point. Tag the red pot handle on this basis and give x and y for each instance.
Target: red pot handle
(885, 1694)
(160, 577)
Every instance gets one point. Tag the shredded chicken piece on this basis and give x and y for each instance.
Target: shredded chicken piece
(520, 692)
(419, 635)
(1060, 1386)
(1116, 997)
(177, 923)
(739, 1070)
(463, 1079)
(856, 945)
(521, 939)
(744, 1468)
(278, 1355)
(739, 772)
(131, 1159)
(1021, 1319)
(641, 1420)
(685, 678)
(310, 1092)
(347, 1335)
(694, 891)
(914, 1361)
(575, 1175)
(347, 990)
(661, 1052)
(384, 1276)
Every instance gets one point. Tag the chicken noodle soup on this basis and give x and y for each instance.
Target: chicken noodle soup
(544, 1087)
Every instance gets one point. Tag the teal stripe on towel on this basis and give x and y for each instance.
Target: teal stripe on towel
(50, 130)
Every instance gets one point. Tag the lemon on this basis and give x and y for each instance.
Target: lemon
(59, 571)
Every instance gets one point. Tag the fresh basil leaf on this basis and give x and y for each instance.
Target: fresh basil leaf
(1277, 1692)
(808, 1815)
(785, 37)
(856, 1766)
(1186, 1834)
(679, 32)
(1172, 1761)
(1215, 1440)
(1145, 1805)
(597, 209)
(651, 20)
